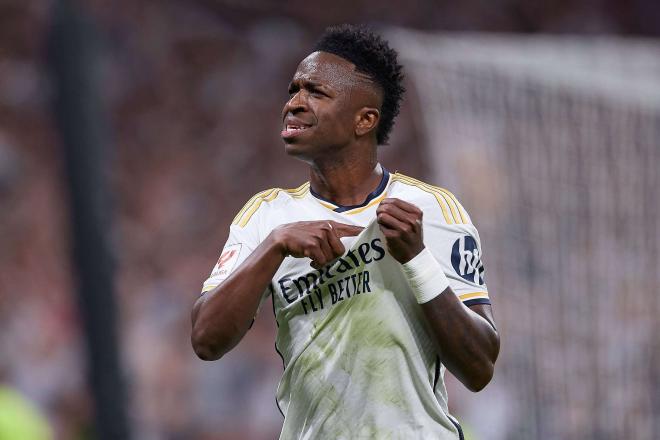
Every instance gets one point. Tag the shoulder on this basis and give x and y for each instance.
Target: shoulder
(429, 198)
(268, 199)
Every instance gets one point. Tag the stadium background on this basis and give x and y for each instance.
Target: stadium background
(542, 117)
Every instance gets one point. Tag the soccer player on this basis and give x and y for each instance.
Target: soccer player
(376, 278)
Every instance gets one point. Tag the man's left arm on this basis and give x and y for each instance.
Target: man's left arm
(466, 337)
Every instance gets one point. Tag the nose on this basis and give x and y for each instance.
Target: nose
(297, 103)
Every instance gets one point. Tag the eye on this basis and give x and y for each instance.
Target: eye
(317, 93)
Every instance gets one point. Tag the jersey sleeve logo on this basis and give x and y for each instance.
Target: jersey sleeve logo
(227, 261)
(466, 260)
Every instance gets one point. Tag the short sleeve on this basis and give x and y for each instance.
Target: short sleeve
(458, 250)
(241, 243)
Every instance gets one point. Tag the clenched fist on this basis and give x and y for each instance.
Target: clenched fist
(401, 223)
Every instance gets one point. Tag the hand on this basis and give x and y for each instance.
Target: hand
(401, 223)
(318, 240)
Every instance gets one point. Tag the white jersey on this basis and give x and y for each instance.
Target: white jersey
(359, 359)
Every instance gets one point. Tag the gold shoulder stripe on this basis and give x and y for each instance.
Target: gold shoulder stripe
(460, 208)
(439, 196)
(255, 206)
(453, 208)
(450, 202)
(269, 197)
(299, 192)
(457, 210)
(250, 202)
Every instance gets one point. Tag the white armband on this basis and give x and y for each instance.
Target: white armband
(425, 276)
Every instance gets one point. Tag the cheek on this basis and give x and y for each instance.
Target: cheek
(336, 128)
(335, 120)
(340, 120)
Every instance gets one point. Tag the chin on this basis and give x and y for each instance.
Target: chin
(294, 148)
(299, 151)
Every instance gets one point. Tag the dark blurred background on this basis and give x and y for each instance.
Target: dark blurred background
(192, 91)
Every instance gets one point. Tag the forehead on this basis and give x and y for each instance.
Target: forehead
(329, 69)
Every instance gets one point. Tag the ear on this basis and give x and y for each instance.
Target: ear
(366, 120)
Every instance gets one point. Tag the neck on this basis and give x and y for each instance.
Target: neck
(347, 180)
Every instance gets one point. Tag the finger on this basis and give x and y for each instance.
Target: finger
(326, 249)
(402, 204)
(394, 211)
(413, 220)
(390, 222)
(387, 231)
(316, 255)
(389, 234)
(344, 230)
(335, 243)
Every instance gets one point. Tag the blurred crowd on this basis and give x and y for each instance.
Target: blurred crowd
(193, 92)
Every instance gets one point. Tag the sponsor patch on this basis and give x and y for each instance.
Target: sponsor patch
(227, 261)
(466, 260)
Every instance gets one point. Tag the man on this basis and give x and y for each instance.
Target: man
(376, 278)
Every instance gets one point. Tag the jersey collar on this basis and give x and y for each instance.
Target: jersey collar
(372, 198)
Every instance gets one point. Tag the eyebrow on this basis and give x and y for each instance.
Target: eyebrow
(306, 83)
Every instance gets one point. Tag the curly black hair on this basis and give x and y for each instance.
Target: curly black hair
(373, 56)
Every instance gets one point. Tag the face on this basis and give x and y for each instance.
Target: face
(327, 102)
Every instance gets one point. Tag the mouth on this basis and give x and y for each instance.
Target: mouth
(293, 130)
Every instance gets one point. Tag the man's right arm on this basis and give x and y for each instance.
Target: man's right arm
(222, 316)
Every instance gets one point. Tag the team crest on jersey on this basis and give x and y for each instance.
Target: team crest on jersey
(227, 261)
(466, 260)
